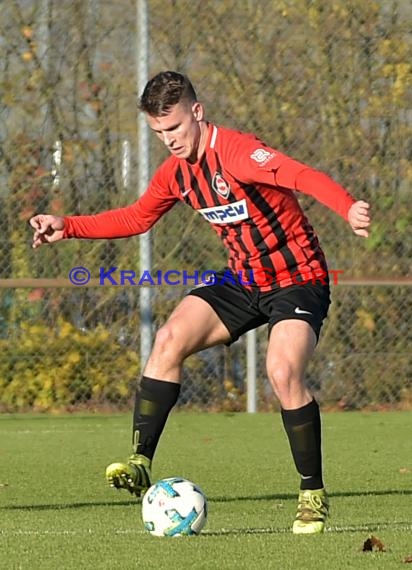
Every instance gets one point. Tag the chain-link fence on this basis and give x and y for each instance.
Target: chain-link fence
(326, 82)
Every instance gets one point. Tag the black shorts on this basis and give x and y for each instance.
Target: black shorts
(242, 309)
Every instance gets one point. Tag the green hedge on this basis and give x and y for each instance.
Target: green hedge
(43, 368)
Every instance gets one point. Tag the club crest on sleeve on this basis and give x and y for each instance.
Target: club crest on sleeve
(260, 155)
(220, 186)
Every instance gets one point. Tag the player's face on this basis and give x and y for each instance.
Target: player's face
(182, 130)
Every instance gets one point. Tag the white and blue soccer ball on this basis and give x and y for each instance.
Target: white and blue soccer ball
(174, 507)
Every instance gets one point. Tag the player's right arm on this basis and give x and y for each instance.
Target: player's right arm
(111, 224)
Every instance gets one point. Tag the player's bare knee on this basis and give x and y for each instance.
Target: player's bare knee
(280, 374)
(167, 343)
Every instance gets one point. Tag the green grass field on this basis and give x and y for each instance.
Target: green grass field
(57, 513)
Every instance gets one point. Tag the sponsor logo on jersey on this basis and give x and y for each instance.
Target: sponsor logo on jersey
(234, 212)
(261, 156)
(220, 186)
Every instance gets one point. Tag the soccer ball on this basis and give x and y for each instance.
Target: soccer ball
(174, 507)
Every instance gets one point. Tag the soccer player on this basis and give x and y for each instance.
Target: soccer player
(246, 190)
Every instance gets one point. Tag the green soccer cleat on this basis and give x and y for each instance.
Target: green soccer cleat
(134, 476)
(313, 510)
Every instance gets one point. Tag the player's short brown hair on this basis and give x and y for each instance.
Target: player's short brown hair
(165, 90)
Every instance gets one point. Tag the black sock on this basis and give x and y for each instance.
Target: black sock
(303, 428)
(154, 401)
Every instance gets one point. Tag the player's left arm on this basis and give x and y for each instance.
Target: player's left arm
(336, 197)
(252, 161)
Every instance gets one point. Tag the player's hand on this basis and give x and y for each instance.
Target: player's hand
(47, 229)
(359, 219)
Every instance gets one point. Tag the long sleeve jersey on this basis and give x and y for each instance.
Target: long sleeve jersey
(246, 191)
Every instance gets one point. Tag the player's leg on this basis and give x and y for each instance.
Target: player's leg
(210, 315)
(291, 345)
(192, 326)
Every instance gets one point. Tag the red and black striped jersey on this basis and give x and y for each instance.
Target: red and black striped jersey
(246, 191)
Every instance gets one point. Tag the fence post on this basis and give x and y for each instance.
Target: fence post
(251, 370)
(145, 293)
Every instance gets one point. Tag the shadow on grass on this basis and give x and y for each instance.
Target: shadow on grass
(292, 496)
(366, 527)
(216, 499)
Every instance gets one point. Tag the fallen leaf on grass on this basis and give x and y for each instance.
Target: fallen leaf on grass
(408, 559)
(373, 543)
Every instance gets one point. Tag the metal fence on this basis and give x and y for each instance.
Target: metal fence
(326, 82)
